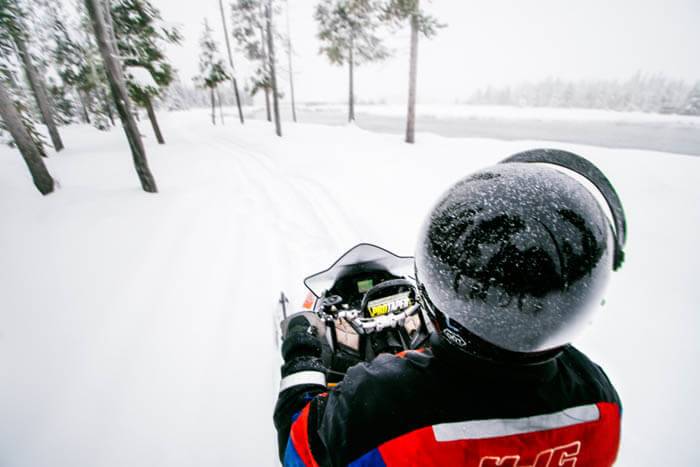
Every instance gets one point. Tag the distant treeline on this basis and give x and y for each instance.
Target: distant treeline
(645, 93)
(180, 96)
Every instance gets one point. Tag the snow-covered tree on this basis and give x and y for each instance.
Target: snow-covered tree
(250, 35)
(67, 62)
(398, 12)
(234, 82)
(141, 38)
(290, 52)
(692, 102)
(212, 70)
(12, 17)
(641, 92)
(348, 30)
(10, 73)
(45, 18)
(15, 119)
(92, 85)
(272, 65)
(98, 15)
(30, 151)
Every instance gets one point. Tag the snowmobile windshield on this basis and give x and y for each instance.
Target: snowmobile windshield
(362, 258)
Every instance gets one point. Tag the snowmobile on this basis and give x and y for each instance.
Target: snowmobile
(363, 305)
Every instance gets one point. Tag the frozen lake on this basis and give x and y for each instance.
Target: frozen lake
(666, 136)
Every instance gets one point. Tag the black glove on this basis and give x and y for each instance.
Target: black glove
(301, 340)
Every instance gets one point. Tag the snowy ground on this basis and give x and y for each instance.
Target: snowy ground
(136, 329)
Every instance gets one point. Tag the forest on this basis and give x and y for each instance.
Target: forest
(104, 63)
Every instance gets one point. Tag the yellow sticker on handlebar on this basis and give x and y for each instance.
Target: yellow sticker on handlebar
(389, 304)
(378, 310)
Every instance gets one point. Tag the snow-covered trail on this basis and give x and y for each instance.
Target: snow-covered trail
(137, 329)
(175, 301)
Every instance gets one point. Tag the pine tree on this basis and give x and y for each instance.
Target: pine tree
(44, 19)
(230, 62)
(14, 117)
(66, 57)
(290, 51)
(120, 94)
(141, 39)
(211, 67)
(10, 73)
(30, 151)
(13, 15)
(249, 32)
(272, 66)
(398, 12)
(692, 102)
(348, 30)
(84, 61)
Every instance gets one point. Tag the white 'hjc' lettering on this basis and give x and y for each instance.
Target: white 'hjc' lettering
(556, 457)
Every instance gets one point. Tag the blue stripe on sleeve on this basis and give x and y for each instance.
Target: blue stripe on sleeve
(371, 459)
(291, 457)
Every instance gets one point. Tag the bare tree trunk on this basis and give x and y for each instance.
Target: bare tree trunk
(120, 95)
(412, 74)
(230, 61)
(101, 95)
(39, 89)
(84, 106)
(154, 121)
(291, 73)
(30, 152)
(221, 109)
(351, 97)
(108, 108)
(273, 75)
(213, 106)
(263, 46)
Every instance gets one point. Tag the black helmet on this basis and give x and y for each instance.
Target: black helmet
(513, 259)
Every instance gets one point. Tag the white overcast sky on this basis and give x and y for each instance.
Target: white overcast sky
(486, 42)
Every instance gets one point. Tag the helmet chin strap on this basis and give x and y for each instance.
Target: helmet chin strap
(469, 343)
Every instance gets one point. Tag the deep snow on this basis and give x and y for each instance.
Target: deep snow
(137, 329)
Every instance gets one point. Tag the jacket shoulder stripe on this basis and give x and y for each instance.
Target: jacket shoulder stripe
(492, 428)
(583, 442)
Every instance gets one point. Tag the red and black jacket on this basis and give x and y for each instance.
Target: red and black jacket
(443, 407)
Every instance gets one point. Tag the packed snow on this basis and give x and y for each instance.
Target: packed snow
(138, 329)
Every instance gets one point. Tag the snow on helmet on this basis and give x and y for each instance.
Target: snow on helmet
(514, 259)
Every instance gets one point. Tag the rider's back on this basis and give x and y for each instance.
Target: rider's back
(441, 407)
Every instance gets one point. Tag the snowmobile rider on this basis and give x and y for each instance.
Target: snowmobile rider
(510, 265)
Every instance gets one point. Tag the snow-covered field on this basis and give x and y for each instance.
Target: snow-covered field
(137, 329)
